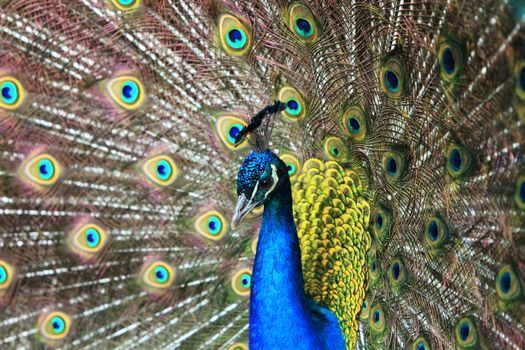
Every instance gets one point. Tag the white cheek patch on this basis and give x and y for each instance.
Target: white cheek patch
(255, 190)
(275, 180)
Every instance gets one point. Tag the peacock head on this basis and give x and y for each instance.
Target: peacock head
(260, 177)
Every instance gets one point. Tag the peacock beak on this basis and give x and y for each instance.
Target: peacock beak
(243, 207)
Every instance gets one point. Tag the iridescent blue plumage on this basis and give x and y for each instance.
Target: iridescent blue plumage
(282, 316)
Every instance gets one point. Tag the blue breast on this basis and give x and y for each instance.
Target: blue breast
(282, 316)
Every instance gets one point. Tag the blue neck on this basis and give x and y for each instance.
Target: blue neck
(279, 312)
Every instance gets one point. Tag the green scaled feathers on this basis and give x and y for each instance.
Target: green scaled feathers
(332, 215)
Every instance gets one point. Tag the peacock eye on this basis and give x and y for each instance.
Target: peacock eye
(160, 170)
(42, 169)
(87, 240)
(302, 23)
(381, 225)
(394, 164)
(397, 275)
(157, 276)
(459, 161)
(420, 344)
(242, 282)
(265, 183)
(6, 275)
(126, 91)
(292, 165)
(365, 311)
(11, 93)
(377, 319)
(211, 225)
(354, 123)
(295, 106)
(466, 333)
(508, 285)
(336, 149)
(393, 78)
(227, 128)
(373, 269)
(436, 232)
(235, 37)
(519, 195)
(54, 325)
(450, 57)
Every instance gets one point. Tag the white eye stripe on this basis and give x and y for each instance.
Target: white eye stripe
(275, 180)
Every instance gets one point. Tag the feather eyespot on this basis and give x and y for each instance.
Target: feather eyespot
(242, 282)
(87, 240)
(436, 232)
(450, 57)
(12, 93)
(54, 325)
(420, 344)
(253, 245)
(160, 170)
(466, 334)
(394, 164)
(397, 274)
(302, 23)
(234, 35)
(291, 169)
(126, 92)
(214, 225)
(377, 319)
(392, 78)
(227, 128)
(354, 123)
(6, 275)
(459, 161)
(157, 276)
(336, 149)
(373, 269)
(295, 107)
(292, 164)
(211, 225)
(41, 170)
(365, 310)
(508, 284)
(126, 5)
(381, 223)
(233, 132)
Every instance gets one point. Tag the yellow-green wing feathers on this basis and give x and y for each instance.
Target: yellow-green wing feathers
(332, 218)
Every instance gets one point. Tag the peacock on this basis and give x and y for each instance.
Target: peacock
(266, 174)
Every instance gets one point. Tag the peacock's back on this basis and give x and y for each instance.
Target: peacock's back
(118, 121)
